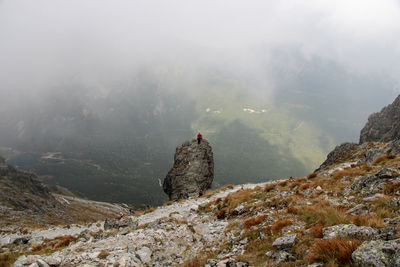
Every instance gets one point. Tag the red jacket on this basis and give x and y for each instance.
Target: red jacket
(199, 136)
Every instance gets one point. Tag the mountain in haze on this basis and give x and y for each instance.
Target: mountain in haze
(114, 141)
(344, 214)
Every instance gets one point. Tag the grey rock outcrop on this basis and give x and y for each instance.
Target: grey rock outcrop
(122, 223)
(22, 190)
(378, 253)
(358, 210)
(285, 242)
(358, 232)
(193, 170)
(384, 125)
(371, 184)
(280, 256)
(338, 154)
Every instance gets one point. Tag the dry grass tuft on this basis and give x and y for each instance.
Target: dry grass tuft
(304, 186)
(349, 172)
(283, 183)
(222, 213)
(168, 203)
(254, 221)
(213, 192)
(292, 209)
(149, 209)
(294, 184)
(277, 227)
(7, 259)
(38, 247)
(64, 241)
(384, 158)
(323, 214)
(197, 261)
(316, 231)
(335, 249)
(225, 207)
(301, 179)
(312, 175)
(391, 188)
(317, 183)
(103, 254)
(269, 187)
(255, 251)
(25, 231)
(368, 220)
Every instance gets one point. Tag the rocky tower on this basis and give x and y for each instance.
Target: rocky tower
(383, 126)
(193, 170)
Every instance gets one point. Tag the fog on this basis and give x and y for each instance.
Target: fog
(42, 41)
(121, 83)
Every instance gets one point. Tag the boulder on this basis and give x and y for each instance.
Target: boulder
(377, 253)
(395, 202)
(372, 184)
(358, 232)
(392, 221)
(144, 254)
(285, 242)
(193, 170)
(358, 210)
(384, 125)
(280, 256)
(211, 263)
(121, 223)
(237, 264)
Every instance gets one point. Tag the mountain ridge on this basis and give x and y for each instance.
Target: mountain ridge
(346, 213)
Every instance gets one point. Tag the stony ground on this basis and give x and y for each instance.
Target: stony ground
(346, 214)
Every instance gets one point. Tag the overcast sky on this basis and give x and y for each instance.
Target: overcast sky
(45, 41)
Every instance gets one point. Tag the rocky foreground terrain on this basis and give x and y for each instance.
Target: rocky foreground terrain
(347, 213)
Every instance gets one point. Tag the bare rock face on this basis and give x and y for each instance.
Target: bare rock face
(338, 154)
(22, 190)
(383, 126)
(193, 170)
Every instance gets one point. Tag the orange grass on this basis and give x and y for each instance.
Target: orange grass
(368, 220)
(254, 221)
(292, 209)
(312, 175)
(283, 183)
(391, 188)
(277, 227)
(316, 231)
(269, 187)
(337, 249)
(103, 254)
(350, 172)
(383, 158)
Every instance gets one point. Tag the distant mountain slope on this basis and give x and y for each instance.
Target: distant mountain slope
(25, 201)
(113, 141)
(22, 190)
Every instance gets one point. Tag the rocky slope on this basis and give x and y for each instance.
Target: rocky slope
(383, 125)
(22, 190)
(193, 170)
(25, 202)
(346, 213)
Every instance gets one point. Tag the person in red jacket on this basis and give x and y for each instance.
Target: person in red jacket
(199, 137)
